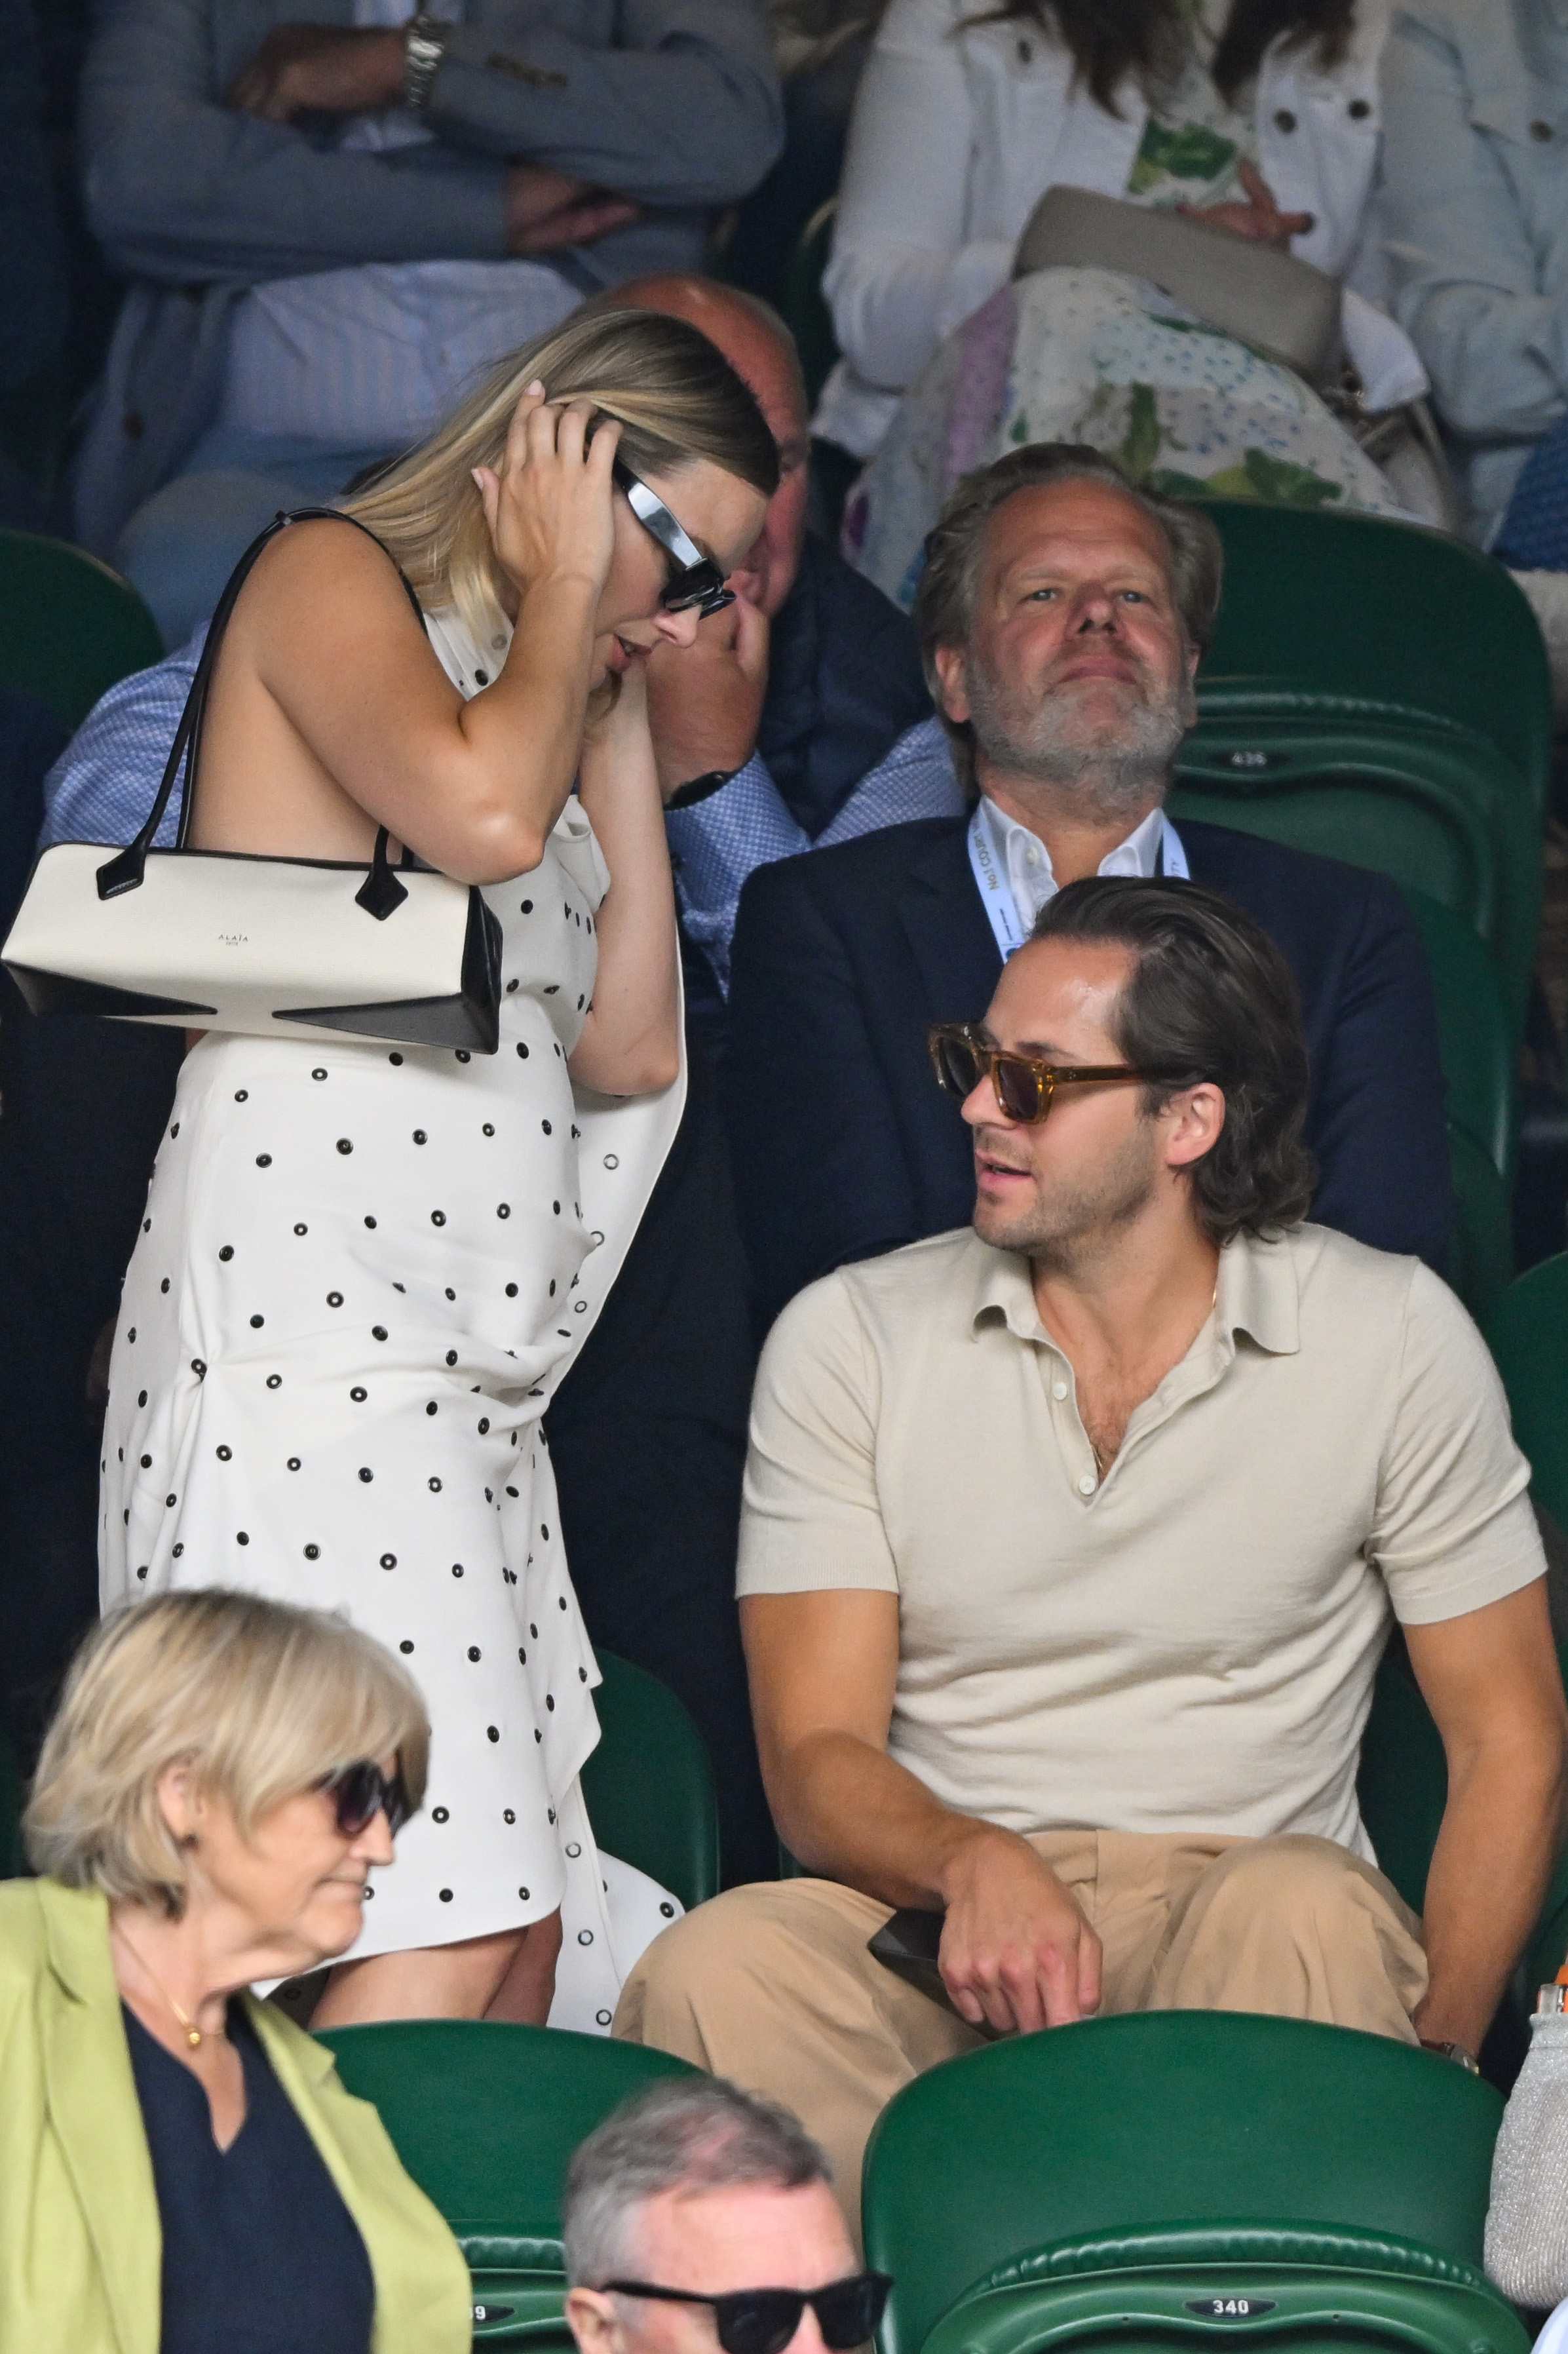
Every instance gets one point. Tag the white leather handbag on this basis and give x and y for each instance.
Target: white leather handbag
(1274, 302)
(207, 940)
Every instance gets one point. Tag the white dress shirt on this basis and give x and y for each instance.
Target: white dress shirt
(1024, 858)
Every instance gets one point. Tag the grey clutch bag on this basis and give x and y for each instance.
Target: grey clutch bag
(1284, 308)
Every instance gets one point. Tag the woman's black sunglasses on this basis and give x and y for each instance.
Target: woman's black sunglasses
(764, 2320)
(698, 580)
(362, 1791)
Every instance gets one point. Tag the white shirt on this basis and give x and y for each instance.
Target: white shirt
(375, 356)
(1024, 858)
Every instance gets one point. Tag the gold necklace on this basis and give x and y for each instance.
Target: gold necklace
(194, 2035)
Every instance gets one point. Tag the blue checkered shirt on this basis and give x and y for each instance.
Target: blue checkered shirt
(101, 788)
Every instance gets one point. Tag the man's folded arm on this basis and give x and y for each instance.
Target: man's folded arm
(180, 188)
(686, 111)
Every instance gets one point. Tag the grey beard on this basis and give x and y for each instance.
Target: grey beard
(1104, 775)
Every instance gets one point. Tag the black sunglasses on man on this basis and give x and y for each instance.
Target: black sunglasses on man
(765, 2320)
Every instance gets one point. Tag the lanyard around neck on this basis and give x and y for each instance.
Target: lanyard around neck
(996, 891)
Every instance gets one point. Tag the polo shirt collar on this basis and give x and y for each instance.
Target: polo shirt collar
(1258, 1294)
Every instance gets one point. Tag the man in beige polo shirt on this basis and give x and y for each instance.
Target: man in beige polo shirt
(1071, 1546)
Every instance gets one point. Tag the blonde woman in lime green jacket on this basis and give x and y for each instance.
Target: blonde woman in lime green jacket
(178, 2161)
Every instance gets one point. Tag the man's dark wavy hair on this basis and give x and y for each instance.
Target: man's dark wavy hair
(1209, 997)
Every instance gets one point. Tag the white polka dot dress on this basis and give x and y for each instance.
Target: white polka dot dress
(361, 1272)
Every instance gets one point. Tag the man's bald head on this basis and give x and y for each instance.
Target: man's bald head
(750, 333)
(757, 345)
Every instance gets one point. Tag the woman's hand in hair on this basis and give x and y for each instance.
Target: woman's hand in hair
(549, 504)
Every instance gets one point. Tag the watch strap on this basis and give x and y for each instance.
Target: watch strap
(424, 47)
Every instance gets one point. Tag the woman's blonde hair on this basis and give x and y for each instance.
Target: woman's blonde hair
(677, 400)
(262, 1701)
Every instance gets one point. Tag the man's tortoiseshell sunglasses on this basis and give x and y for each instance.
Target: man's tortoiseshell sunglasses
(1025, 1087)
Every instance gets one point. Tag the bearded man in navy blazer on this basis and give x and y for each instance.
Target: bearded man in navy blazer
(1062, 615)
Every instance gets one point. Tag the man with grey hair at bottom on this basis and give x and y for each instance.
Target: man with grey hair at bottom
(698, 2212)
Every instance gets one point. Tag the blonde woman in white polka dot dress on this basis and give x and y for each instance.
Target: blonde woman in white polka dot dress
(363, 1268)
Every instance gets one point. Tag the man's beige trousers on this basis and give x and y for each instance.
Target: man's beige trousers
(772, 1986)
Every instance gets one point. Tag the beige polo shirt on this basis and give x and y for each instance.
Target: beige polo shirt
(1189, 1643)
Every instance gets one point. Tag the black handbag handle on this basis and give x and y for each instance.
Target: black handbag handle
(381, 891)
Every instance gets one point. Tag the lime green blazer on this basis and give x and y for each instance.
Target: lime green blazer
(81, 2246)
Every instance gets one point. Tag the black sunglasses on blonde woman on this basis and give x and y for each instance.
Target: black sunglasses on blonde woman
(698, 580)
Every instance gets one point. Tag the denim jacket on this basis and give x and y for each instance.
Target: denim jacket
(1475, 207)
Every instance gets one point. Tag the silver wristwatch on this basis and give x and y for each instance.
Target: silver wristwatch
(424, 47)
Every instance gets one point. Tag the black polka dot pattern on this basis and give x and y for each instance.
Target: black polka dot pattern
(343, 1302)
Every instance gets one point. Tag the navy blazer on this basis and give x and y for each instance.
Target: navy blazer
(845, 1146)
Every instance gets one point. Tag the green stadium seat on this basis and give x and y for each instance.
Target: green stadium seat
(1481, 1249)
(1183, 2180)
(485, 2119)
(70, 628)
(1377, 625)
(650, 1784)
(1379, 693)
(1527, 1332)
(1451, 827)
(1477, 1044)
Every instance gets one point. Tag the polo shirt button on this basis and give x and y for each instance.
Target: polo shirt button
(1058, 1389)
(1284, 119)
(1086, 1485)
(1541, 131)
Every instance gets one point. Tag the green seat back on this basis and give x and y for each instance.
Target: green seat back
(1477, 1048)
(1481, 1249)
(485, 2119)
(69, 627)
(1443, 817)
(1379, 693)
(649, 1784)
(810, 319)
(1123, 2127)
(1527, 1334)
(1235, 2286)
(1380, 622)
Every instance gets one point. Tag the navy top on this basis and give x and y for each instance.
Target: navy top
(260, 2255)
